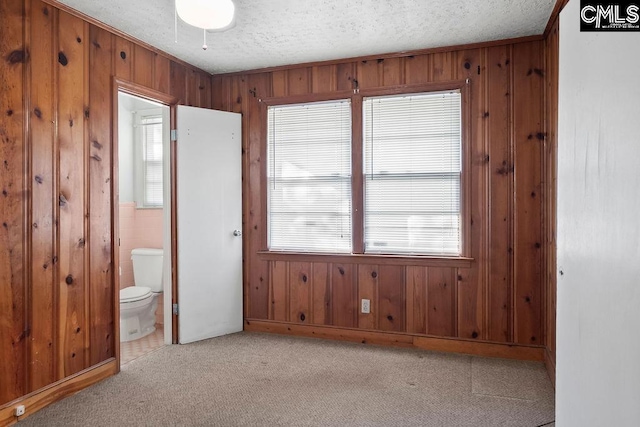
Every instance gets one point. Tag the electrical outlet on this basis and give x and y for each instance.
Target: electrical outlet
(19, 410)
(365, 306)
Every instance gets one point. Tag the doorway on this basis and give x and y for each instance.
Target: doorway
(204, 168)
(142, 223)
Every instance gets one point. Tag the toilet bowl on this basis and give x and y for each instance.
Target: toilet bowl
(138, 303)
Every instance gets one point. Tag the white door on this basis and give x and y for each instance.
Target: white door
(209, 211)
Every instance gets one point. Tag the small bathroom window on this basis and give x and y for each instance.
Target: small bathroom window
(149, 145)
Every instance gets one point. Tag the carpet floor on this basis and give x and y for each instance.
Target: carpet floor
(252, 379)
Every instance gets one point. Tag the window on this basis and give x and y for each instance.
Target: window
(408, 171)
(150, 154)
(309, 177)
(412, 173)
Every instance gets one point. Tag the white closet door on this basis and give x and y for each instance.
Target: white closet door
(209, 221)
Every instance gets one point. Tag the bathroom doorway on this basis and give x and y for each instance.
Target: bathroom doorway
(142, 221)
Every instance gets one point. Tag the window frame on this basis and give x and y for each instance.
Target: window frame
(357, 174)
(265, 177)
(140, 181)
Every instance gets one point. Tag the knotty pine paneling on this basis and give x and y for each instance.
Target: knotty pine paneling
(300, 292)
(368, 289)
(528, 132)
(101, 314)
(550, 186)
(321, 294)
(417, 303)
(472, 282)
(14, 235)
(343, 295)
(499, 156)
(43, 187)
(484, 302)
(56, 241)
(73, 169)
(391, 298)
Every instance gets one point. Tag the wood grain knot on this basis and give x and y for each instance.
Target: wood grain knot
(37, 113)
(9, 113)
(467, 65)
(17, 57)
(38, 179)
(341, 270)
(304, 278)
(123, 55)
(302, 317)
(78, 39)
(390, 318)
(527, 299)
(86, 113)
(62, 59)
(69, 280)
(45, 11)
(374, 274)
(474, 334)
(62, 201)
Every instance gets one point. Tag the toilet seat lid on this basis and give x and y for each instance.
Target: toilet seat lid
(134, 293)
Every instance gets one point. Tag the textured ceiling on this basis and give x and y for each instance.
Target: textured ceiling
(279, 32)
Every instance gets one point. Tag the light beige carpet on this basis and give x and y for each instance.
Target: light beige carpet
(252, 379)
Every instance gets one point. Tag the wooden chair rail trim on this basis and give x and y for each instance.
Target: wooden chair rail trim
(424, 342)
(37, 400)
(426, 261)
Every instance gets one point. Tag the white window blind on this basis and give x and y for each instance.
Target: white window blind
(412, 171)
(309, 177)
(151, 131)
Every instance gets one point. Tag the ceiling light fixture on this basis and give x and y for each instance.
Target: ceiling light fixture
(205, 14)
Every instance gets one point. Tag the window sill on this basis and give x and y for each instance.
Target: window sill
(418, 260)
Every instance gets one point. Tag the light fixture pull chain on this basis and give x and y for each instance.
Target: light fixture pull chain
(175, 23)
(204, 36)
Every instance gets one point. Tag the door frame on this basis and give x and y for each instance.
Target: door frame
(120, 85)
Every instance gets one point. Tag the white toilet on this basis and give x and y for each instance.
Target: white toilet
(138, 303)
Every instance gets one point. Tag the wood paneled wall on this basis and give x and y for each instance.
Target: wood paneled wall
(56, 239)
(499, 297)
(552, 48)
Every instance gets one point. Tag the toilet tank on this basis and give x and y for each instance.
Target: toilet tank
(147, 268)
